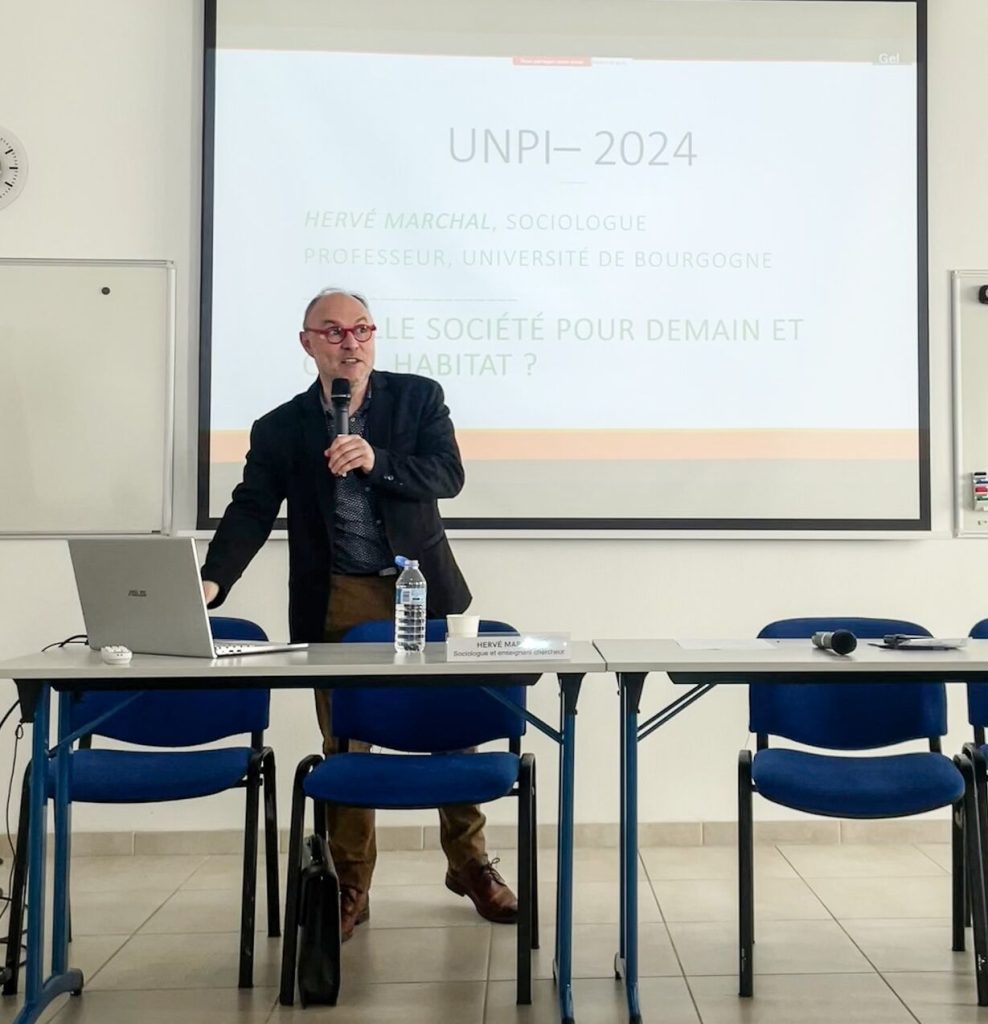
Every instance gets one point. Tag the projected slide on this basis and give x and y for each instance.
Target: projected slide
(655, 291)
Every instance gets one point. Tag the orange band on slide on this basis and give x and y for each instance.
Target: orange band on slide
(663, 445)
(649, 445)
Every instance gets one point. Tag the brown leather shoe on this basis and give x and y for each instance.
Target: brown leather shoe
(354, 909)
(488, 890)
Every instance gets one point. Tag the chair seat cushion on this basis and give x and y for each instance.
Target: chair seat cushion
(412, 780)
(138, 776)
(857, 787)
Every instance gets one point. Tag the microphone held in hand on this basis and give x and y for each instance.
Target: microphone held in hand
(340, 398)
(840, 641)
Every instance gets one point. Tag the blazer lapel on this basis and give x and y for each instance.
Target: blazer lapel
(379, 415)
(315, 440)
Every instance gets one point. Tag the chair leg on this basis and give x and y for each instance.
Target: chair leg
(958, 881)
(975, 875)
(535, 861)
(18, 891)
(976, 758)
(524, 927)
(746, 895)
(320, 818)
(293, 886)
(248, 898)
(271, 843)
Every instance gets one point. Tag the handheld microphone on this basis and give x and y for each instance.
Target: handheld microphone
(840, 641)
(340, 398)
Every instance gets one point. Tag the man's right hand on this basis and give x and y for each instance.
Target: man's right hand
(210, 591)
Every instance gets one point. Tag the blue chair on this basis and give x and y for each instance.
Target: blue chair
(430, 725)
(168, 720)
(852, 716)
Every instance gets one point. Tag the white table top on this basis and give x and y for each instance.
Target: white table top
(790, 656)
(76, 661)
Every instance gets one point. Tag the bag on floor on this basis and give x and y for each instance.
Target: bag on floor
(319, 925)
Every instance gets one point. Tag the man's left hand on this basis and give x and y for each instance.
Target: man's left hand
(349, 452)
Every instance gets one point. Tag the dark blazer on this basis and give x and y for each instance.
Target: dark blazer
(416, 461)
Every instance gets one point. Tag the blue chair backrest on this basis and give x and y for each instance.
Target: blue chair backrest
(847, 716)
(185, 718)
(977, 693)
(425, 719)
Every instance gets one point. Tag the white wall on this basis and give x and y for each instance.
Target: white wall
(105, 96)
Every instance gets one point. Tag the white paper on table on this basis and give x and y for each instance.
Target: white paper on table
(725, 645)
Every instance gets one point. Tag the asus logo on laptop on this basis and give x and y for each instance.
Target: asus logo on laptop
(137, 593)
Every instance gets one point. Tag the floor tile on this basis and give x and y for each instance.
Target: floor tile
(590, 864)
(860, 861)
(206, 961)
(453, 1002)
(225, 871)
(204, 910)
(110, 874)
(594, 947)
(706, 862)
(597, 1001)
(782, 947)
(939, 852)
(717, 900)
(927, 896)
(410, 867)
(90, 952)
(600, 903)
(802, 998)
(114, 913)
(939, 998)
(421, 906)
(215, 1006)
(378, 955)
(908, 944)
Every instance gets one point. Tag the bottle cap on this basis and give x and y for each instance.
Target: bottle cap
(406, 563)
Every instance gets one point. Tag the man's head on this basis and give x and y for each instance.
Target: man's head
(333, 324)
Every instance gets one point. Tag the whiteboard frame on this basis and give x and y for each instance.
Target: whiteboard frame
(168, 452)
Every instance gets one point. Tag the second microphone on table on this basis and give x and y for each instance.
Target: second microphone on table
(840, 641)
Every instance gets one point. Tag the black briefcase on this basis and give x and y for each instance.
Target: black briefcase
(319, 925)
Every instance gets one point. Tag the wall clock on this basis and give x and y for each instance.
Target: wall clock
(13, 167)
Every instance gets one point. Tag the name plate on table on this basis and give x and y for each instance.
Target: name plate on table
(495, 647)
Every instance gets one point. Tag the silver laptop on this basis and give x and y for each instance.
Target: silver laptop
(145, 593)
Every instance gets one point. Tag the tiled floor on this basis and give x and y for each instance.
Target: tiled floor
(853, 934)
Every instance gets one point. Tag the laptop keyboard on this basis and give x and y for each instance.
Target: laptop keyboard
(226, 649)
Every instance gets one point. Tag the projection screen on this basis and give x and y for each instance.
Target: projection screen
(667, 258)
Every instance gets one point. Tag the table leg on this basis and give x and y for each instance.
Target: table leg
(630, 686)
(38, 994)
(36, 851)
(569, 694)
(622, 835)
(63, 832)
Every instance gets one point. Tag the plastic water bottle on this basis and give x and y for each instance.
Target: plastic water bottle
(409, 606)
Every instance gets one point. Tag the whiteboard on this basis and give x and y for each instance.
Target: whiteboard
(970, 345)
(86, 396)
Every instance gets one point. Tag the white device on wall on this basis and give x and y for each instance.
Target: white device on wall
(969, 329)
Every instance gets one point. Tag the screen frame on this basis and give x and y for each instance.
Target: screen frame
(713, 526)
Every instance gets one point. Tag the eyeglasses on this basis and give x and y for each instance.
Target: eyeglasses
(337, 332)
